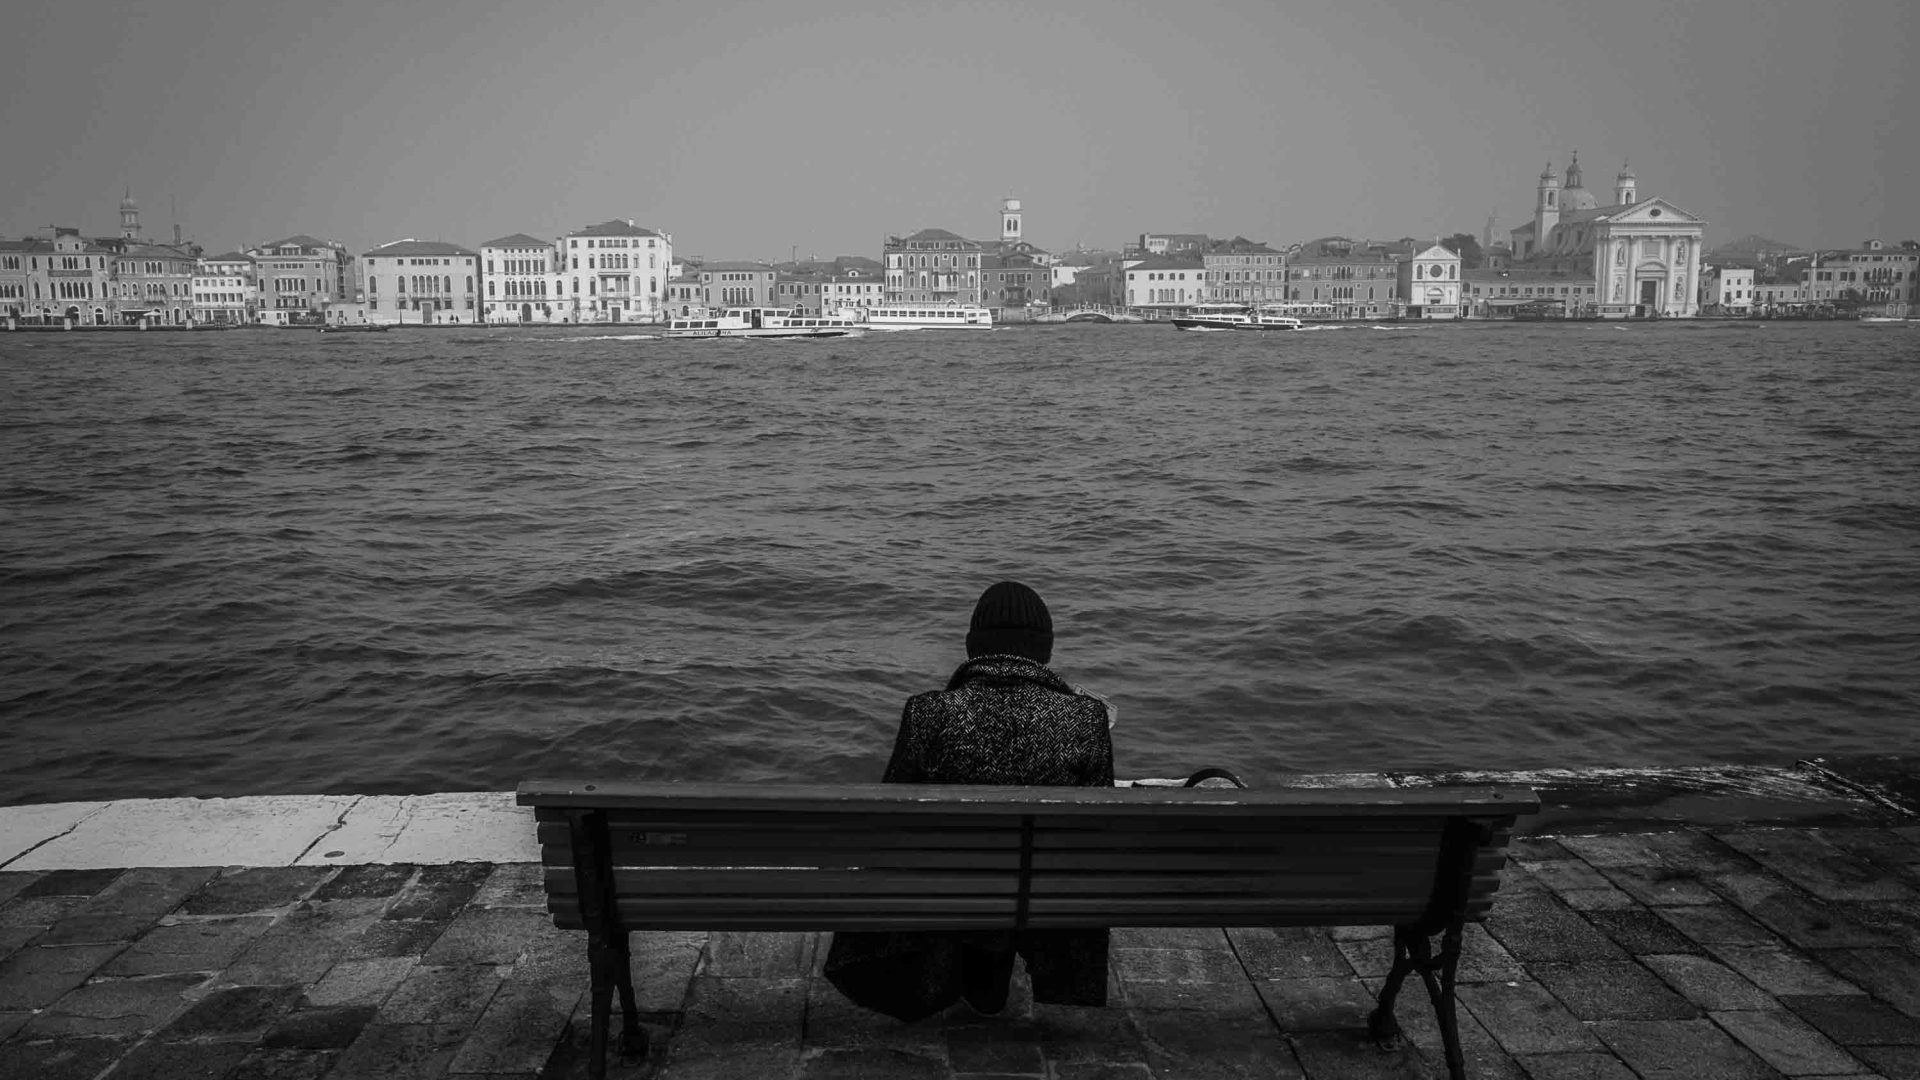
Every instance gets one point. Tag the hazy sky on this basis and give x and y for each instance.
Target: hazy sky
(748, 130)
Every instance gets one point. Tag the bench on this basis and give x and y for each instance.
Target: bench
(624, 856)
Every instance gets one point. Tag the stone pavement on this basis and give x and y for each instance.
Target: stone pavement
(1693, 953)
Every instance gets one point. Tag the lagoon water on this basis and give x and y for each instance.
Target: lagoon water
(261, 562)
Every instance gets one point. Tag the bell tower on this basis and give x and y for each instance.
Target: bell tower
(129, 217)
(1623, 187)
(1546, 207)
(1009, 220)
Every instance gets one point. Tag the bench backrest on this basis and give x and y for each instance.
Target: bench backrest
(909, 856)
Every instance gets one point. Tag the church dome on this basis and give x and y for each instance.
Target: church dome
(1578, 198)
(128, 203)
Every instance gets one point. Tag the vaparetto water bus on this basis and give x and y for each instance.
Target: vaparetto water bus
(1232, 317)
(762, 322)
(928, 317)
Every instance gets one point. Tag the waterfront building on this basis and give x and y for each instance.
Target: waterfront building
(1360, 278)
(1167, 244)
(1015, 277)
(1495, 293)
(1875, 277)
(1428, 284)
(13, 277)
(933, 266)
(613, 272)
(1780, 297)
(522, 275)
(684, 293)
(68, 277)
(855, 281)
(420, 281)
(800, 285)
(153, 283)
(1067, 269)
(1727, 290)
(1643, 254)
(1244, 271)
(299, 277)
(739, 284)
(1164, 281)
(224, 290)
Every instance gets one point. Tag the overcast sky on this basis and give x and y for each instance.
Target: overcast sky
(750, 130)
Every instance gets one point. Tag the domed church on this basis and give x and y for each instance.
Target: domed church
(1643, 255)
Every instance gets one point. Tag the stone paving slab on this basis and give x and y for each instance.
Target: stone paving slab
(1761, 953)
(268, 830)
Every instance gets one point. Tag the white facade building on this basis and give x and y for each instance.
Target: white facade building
(523, 280)
(1164, 281)
(1728, 290)
(612, 272)
(425, 282)
(224, 291)
(1429, 284)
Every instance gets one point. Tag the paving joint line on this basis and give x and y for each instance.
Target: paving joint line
(68, 831)
(338, 824)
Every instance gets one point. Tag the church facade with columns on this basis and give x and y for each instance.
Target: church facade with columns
(1640, 257)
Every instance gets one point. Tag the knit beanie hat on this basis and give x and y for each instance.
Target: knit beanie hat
(1011, 619)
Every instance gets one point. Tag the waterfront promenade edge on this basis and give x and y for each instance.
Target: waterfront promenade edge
(1731, 922)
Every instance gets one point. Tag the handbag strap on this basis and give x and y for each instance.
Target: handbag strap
(1213, 772)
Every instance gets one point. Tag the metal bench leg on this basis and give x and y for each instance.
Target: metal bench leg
(600, 960)
(633, 1037)
(1381, 1025)
(1412, 952)
(1441, 992)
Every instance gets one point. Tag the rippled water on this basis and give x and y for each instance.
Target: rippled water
(275, 562)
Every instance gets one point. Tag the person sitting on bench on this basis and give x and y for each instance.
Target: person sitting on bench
(1004, 718)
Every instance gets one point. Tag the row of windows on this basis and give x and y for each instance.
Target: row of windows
(433, 304)
(522, 288)
(614, 243)
(1544, 290)
(928, 262)
(616, 262)
(219, 298)
(62, 262)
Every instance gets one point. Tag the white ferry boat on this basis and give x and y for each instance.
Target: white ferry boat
(928, 317)
(761, 322)
(1233, 317)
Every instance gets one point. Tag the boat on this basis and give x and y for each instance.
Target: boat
(763, 322)
(1233, 317)
(353, 328)
(947, 316)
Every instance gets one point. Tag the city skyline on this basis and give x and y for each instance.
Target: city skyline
(748, 131)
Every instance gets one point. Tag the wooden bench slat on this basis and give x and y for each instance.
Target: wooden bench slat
(999, 801)
(1165, 861)
(978, 906)
(762, 883)
(887, 859)
(1411, 885)
(662, 833)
